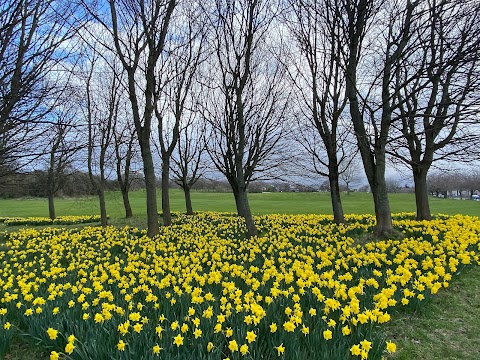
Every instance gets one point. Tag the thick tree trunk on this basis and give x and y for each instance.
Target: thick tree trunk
(167, 216)
(126, 202)
(51, 205)
(237, 202)
(151, 190)
(383, 214)
(335, 198)
(243, 208)
(188, 200)
(421, 194)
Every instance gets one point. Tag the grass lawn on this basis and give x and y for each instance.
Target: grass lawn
(261, 203)
(445, 328)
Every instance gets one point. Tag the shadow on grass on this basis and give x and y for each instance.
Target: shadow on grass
(22, 350)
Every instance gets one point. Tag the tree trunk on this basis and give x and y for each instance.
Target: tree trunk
(51, 205)
(151, 190)
(383, 214)
(335, 197)
(124, 181)
(188, 200)
(167, 216)
(243, 208)
(126, 202)
(103, 207)
(421, 194)
(51, 181)
(374, 166)
(237, 202)
(50, 190)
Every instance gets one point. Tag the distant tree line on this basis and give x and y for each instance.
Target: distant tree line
(75, 183)
(461, 184)
(72, 184)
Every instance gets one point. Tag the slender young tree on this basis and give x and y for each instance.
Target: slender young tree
(350, 173)
(178, 70)
(139, 30)
(246, 105)
(61, 154)
(125, 152)
(319, 81)
(102, 106)
(189, 163)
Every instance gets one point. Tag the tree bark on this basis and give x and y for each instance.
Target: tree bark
(167, 216)
(383, 215)
(188, 200)
(51, 178)
(335, 197)
(126, 202)
(51, 205)
(375, 171)
(236, 197)
(51, 188)
(103, 206)
(101, 189)
(240, 191)
(151, 190)
(421, 194)
(243, 208)
(124, 179)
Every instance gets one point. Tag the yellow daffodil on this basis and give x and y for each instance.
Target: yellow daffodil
(178, 340)
(280, 349)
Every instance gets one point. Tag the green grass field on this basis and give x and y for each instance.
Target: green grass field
(261, 203)
(446, 328)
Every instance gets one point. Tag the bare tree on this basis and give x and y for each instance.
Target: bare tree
(472, 181)
(139, 30)
(189, 163)
(177, 71)
(350, 173)
(439, 183)
(123, 142)
(246, 106)
(102, 106)
(319, 80)
(63, 147)
(32, 34)
(438, 109)
(372, 103)
(393, 184)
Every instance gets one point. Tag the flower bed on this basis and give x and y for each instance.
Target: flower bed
(60, 220)
(305, 289)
